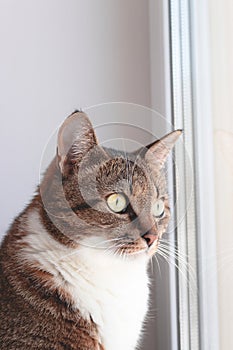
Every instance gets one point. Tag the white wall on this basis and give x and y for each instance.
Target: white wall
(221, 29)
(57, 56)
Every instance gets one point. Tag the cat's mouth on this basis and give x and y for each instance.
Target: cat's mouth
(138, 247)
(123, 246)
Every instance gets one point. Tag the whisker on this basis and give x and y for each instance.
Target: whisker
(92, 246)
(191, 283)
(185, 263)
(114, 248)
(171, 247)
(157, 261)
(175, 254)
(106, 241)
(152, 267)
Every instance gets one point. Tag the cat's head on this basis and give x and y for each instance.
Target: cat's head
(120, 199)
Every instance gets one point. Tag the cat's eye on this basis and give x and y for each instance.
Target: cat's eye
(117, 202)
(158, 208)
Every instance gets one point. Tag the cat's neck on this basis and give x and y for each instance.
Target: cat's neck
(111, 291)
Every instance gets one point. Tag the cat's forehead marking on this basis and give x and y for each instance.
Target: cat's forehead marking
(157, 190)
(123, 174)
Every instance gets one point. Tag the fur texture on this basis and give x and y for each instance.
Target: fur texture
(73, 273)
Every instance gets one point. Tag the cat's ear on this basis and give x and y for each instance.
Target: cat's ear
(159, 150)
(76, 137)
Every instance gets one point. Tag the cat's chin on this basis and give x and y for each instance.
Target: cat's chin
(152, 250)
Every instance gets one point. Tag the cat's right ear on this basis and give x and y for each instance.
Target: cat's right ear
(76, 137)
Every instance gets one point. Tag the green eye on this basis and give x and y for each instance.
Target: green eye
(158, 208)
(117, 202)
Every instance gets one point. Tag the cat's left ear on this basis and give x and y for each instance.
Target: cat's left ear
(159, 150)
(76, 137)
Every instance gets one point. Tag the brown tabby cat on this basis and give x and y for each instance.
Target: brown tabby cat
(73, 266)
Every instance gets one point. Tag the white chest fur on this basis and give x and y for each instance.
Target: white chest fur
(116, 295)
(113, 291)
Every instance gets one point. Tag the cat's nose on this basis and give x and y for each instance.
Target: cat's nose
(150, 237)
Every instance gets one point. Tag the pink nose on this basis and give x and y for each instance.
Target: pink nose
(150, 238)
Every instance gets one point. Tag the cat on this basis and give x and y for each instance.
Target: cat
(73, 265)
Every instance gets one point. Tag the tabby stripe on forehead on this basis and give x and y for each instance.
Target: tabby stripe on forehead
(84, 205)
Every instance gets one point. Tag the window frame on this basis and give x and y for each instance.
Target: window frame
(196, 236)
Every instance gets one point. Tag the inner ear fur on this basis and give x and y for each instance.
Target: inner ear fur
(76, 137)
(159, 150)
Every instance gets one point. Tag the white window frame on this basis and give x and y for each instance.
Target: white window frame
(191, 86)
